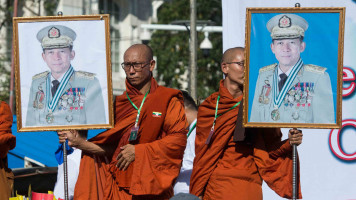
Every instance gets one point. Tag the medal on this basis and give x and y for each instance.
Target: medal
(295, 115)
(52, 104)
(275, 115)
(263, 98)
(40, 105)
(260, 98)
(50, 117)
(303, 100)
(69, 118)
(266, 100)
(35, 104)
(286, 94)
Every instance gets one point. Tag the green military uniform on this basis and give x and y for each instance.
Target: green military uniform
(81, 101)
(308, 99)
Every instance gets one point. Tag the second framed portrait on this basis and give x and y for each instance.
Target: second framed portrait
(63, 73)
(293, 74)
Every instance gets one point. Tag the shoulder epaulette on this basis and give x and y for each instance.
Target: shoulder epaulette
(268, 67)
(40, 75)
(315, 68)
(86, 75)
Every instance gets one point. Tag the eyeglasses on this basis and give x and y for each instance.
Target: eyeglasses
(241, 63)
(137, 66)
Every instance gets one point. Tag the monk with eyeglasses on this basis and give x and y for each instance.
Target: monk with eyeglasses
(141, 156)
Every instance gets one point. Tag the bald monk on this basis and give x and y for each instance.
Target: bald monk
(7, 142)
(141, 156)
(231, 165)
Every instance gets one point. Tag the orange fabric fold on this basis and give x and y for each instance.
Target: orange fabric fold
(225, 169)
(7, 140)
(158, 149)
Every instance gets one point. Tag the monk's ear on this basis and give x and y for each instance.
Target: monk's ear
(224, 68)
(152, 65)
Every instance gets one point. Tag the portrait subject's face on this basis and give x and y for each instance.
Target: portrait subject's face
(287, 51)
(58, 60)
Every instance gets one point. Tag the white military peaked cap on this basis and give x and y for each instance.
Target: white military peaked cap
(56, 36)
(287, 26)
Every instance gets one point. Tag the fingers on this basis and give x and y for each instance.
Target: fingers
(123, 161)
(294, 131)
(62, 136)
(295, 136)
(120, 161)
(119, 156)
(126, 165)
(125, 157)
(62, 139)
(71, 136)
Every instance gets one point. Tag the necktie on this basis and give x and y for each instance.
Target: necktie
(54, 87)
(283, 77)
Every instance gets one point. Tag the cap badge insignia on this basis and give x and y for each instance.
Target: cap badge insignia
(54, 33)
(284, 22)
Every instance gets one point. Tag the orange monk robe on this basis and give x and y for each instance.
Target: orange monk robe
(225, 169)
(159, 149)
(7, 142)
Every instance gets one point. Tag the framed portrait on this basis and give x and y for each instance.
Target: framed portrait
(293, 67)
(63, 73)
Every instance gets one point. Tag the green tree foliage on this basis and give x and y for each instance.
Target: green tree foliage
(172, 47)
(6, 8)
(50, 6)
(4, 83)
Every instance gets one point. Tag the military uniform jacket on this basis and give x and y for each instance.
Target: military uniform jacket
(81, 101)
(308, 100)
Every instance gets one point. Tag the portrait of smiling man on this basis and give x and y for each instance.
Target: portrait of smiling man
(290, 91)
(62, 95)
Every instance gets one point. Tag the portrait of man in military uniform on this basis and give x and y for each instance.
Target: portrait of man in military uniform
(62, 95)
(291, 91)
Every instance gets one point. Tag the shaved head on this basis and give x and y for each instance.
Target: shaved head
(230, 54)
(139, 54)
(143, 49)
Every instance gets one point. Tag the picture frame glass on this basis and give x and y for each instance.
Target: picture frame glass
(309, 100)
(74, 50)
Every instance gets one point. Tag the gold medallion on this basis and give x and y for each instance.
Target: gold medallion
(275, 115)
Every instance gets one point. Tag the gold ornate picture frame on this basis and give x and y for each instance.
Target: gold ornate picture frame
(63, 73)
(293, 67)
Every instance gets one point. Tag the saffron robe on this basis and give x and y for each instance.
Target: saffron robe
(159, 149)
(225, 169)
(7, 142)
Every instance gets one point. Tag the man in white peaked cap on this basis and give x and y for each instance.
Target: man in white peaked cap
(290, 91)
(63, 96)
